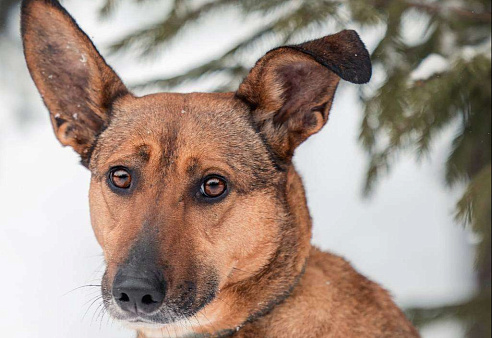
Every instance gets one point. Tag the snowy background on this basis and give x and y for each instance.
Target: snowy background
(403, 237)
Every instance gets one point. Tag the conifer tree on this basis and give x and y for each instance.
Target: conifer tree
(5, 7)
(404, 111)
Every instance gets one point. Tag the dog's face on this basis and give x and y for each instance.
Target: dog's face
(184, 188)
(189, 193)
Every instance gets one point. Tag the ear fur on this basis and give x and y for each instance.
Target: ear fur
(76, 84)
(291, 89)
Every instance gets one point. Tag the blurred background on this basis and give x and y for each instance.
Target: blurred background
(399, 182)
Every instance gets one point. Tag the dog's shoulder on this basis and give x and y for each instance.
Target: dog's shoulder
(334, 300)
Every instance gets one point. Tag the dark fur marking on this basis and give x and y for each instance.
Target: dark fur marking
(265, 311)
(353, 64)
(192, 169)
(59, 121)
(277, 301)
(169, 147)
(279, 164)
(144, 153)
(86, 158)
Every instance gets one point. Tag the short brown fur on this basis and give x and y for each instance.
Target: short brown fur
(241, 266)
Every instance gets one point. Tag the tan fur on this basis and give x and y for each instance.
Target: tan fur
(242, 266)
(333, 300)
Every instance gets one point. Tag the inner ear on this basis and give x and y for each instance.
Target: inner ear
(76, 84)
(307, 89)
(292, 95)
(291, 89)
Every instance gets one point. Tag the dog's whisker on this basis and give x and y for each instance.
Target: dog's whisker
(96, 312)
(80, 287)
(199, 323)
(103, 313)
(210, 322)
(225, 302)
(186, 318)
(168, 314)
(92, 300)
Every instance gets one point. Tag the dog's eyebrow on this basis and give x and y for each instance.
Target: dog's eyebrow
(192, 166)
(144, 152)
(138, 157)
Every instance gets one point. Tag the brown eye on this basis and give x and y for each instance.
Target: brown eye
(121, 178)
(214, 187)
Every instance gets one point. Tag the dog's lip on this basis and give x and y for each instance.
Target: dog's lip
(138, 323)
(142, 319)
(139, 320)
(135, 319)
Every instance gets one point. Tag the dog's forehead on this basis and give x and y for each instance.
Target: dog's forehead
(177, 109)
(210, 125)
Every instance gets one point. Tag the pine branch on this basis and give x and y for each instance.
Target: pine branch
(471, 149)
(150, 38)
(436, 8)
(379, 165)
(407, 115)
(206, 70)
(108, 7)
(229, 62)
(462, 13)
(5, 6)
(477, 310)
(211, 67)
(474, 210)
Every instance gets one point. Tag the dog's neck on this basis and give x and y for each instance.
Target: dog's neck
(246, 301)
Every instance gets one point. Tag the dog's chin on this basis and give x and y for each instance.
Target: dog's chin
(182, 326)
(143, 325)
(162, 318)
(140, 324)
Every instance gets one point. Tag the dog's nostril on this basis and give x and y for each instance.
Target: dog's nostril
(148, 300)
(124, 298)
(138, 292)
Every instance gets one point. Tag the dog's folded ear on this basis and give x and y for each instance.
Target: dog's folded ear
(76, 84)
(291, 89)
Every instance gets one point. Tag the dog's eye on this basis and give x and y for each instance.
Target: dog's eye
(214, 187)
(121, 178)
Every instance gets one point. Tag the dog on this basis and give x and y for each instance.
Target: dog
(194, 198)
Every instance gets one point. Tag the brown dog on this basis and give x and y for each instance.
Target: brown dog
(194, 198)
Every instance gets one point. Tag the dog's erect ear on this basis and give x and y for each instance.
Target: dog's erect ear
(76, 84)
(291, 89)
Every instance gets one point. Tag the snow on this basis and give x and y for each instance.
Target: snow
(414, 25)
(437, 64)
(432, 65)
(444, 329)
(468, 53)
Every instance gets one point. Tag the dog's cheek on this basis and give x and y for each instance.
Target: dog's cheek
(97, 212)
(245, 240)
(115, 224)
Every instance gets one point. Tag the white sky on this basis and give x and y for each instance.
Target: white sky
(404, 237)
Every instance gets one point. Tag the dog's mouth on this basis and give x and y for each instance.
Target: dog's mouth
(163, 320)
(165, 316)
(142, 322)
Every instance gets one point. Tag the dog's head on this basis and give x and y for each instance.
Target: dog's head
(193, 197)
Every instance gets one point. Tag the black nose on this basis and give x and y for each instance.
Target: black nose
(138, 292)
